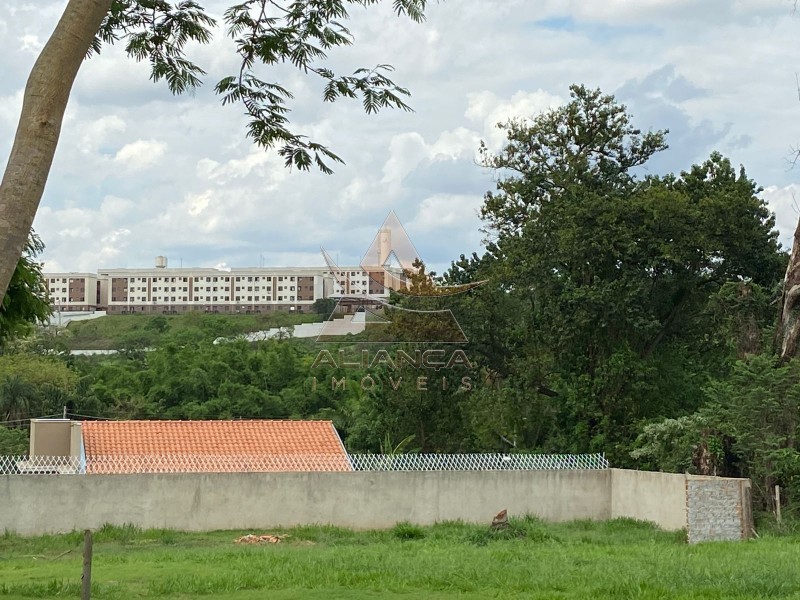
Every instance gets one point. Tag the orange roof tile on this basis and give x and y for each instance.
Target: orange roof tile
(212, 446)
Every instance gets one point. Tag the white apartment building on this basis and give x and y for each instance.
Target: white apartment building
(168, 290)
(73, 291)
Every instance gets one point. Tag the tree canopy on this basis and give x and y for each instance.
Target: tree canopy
(605, 281)
(26, 303)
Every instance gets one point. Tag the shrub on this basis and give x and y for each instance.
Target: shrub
(407, 531)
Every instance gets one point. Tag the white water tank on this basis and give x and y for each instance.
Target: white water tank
(161, 262)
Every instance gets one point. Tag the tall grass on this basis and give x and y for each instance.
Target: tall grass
(529, 559)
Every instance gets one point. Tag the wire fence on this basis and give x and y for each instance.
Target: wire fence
(476, 462)
(193, 463)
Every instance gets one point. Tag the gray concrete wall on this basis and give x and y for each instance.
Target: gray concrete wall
(35, 504)
(649, 496)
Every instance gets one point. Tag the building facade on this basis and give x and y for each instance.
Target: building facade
(73, 291)
(166, 290)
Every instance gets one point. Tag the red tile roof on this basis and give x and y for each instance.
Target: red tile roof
(212, 446)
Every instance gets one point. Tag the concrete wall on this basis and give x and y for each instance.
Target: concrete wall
(36, 504)
(649, 496)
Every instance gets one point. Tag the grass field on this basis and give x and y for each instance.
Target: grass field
(615, 559)
(112, 331)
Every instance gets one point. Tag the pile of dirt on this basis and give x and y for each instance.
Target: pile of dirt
(260, 539)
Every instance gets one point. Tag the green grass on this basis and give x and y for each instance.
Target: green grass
(531, 559)
(112, 331)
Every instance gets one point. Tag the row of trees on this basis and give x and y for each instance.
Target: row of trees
(646, 305)
(623, 293)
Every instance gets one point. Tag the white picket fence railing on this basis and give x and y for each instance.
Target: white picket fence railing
(187, 463)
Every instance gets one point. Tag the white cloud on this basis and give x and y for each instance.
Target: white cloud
(785, 203)
(10, 107)
(446, 212)
(407, 151)
(140, 154)
(97, 133)
(31, 43)
(489, 110)
(256, 162)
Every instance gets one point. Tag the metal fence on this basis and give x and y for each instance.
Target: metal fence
(476, 462)
(192, 463)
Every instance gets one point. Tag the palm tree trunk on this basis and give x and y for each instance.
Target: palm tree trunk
(45, 100)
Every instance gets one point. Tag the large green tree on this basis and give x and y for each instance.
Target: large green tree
(266, 33)
(607, 275)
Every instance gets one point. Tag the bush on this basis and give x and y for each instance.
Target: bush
(529, 528)
(407, 531)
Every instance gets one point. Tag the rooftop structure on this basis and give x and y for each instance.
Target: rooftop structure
(108, 447)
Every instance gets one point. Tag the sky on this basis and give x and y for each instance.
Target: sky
(141, 173)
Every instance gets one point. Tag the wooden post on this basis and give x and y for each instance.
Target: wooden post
(778, 503)
(748, 528)
(86, 578)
